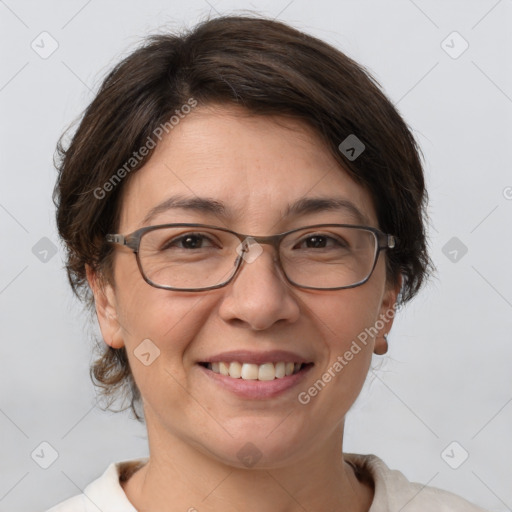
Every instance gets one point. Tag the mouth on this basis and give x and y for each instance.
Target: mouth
(255, 375)
(258, 372)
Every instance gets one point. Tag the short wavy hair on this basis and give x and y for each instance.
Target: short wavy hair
(268, 68)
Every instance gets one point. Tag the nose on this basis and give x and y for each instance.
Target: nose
(259, 295)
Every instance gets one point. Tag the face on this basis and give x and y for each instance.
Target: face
(256, 167)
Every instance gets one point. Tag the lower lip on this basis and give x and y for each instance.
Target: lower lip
(256, 389)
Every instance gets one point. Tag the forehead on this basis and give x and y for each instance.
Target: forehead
(253, 167)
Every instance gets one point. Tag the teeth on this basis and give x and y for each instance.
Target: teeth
(280, 370)
(224, 368)
(266, 371)
(250, 371)
(235, 370)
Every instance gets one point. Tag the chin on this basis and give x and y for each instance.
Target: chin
(262, 446)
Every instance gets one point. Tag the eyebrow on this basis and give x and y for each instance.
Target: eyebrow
(310, 205)
(198, 204)
(304, 206)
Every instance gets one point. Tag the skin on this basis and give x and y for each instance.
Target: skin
(256, 166)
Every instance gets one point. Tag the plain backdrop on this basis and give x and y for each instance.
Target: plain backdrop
(444, 390)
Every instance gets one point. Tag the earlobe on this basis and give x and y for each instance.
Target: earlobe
(106, 309)
(381, 345)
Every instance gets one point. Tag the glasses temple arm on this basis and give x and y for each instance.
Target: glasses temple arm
(116, 239)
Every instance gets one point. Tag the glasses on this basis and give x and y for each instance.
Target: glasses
(197, 257)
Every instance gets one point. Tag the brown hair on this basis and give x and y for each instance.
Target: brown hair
(268, 68)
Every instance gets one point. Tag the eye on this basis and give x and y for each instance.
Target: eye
(321, 241)
(188, 241)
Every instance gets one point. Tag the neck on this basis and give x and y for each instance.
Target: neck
(180, 477)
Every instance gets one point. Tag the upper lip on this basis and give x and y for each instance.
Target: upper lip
(246, 356)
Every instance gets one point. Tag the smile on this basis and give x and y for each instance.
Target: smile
(251, 371)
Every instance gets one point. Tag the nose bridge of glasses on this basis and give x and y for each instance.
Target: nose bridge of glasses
(250, 249)
(251, 243)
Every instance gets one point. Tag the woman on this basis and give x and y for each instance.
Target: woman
(245, 209)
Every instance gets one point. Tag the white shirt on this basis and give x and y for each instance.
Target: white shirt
(393, 492)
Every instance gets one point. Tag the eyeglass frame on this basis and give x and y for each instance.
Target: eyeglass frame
(132, 241)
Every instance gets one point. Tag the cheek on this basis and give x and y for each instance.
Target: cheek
(346, 322)
(168, 319)
(162, 323)
(143, 310)
(345, 314)
(158, 330)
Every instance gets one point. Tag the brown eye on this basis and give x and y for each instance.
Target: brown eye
(319, 241)
(188, 241)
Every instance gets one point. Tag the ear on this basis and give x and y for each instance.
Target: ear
(106, 309)
(386, 315)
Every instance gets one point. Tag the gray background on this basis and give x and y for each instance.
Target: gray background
(447, 376)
